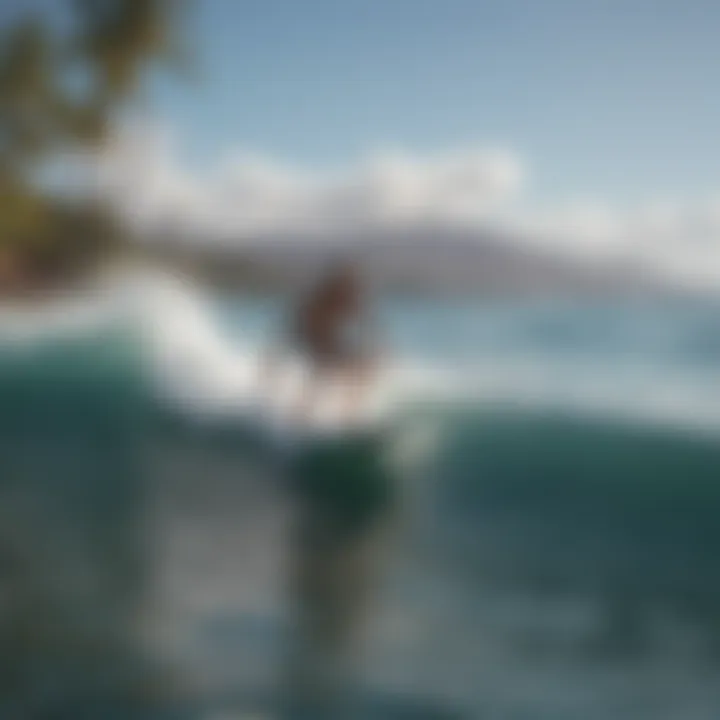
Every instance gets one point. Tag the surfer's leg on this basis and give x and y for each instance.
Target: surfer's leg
(306, 687)
(331, 584)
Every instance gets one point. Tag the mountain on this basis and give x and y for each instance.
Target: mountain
(424, 259)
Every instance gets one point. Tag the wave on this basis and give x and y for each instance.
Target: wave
(564, 481)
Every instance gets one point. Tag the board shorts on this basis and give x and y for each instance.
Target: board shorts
(346, 478)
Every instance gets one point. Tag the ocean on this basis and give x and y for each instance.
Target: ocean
(555, 555)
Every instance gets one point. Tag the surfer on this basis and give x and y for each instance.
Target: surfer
(341, 492)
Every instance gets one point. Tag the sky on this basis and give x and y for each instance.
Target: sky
(591, 124)
(609, 98)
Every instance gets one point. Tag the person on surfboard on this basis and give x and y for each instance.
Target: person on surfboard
(343, 496)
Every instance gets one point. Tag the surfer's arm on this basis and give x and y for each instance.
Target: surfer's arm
(362, 370)
(269, 369)
(372, 353)
(270, 361)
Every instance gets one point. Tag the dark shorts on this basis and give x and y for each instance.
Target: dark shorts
(346, 478)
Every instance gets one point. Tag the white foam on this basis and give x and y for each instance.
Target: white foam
(204, 373)
(195, 362)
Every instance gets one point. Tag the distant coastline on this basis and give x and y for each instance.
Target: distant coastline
(425, 264)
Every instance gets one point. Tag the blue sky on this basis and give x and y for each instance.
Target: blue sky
(611, 98)
(589, 126)
(601, 98)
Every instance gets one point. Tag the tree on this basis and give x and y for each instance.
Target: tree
(61, 90)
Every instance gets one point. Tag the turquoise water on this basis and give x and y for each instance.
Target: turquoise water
(560, 555)
(574, 465)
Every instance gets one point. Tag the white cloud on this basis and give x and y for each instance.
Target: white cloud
(583, 228)
(249, 196)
